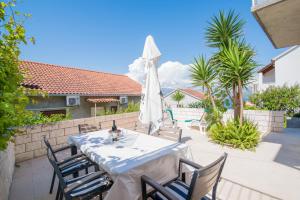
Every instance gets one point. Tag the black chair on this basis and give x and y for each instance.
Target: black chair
(204, 179)
(69, 165)
(82, 187)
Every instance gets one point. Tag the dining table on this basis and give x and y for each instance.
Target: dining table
(132, 155)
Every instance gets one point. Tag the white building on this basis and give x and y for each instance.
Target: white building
(190, 96)
(279, 19)
(283, 69)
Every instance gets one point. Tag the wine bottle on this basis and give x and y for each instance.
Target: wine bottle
(114, 127)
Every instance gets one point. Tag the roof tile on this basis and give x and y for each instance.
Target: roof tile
(56, 79)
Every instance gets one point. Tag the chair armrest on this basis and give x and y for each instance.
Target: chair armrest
(62, 148)
(83, 181)
(187, 162)
(190, 163)
(147, 180)
(71, 158)
(62, 166)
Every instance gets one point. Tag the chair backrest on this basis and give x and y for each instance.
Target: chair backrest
(49, 147)
(170, 114)
(206, 179)
(139, 127)
(173, 134)
(86, 128)
(57, 171)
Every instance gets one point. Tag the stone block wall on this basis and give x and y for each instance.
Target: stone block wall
(29, 144)
(7, 166)
(267, 121)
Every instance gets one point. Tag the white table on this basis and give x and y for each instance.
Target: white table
(129, 158)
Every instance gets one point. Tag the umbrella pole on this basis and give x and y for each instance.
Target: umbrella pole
(95, 110)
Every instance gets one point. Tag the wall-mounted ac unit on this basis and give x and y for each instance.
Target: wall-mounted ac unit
(123, 100)
(73, 100)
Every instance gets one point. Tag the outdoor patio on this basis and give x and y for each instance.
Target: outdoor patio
(271, 172)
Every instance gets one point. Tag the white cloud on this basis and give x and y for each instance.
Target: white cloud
(137, 70)
(172, 74)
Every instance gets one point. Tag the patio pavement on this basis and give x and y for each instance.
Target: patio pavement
(271, 172)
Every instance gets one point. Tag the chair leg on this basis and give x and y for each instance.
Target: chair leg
(58, 192)
(86, 170)
(100, 197)
(52, 183)
(61, 195)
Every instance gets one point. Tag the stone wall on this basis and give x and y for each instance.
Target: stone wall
(28, 143)
(266, 121)
(7, 166)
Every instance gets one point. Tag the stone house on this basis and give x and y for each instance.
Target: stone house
(77, 91)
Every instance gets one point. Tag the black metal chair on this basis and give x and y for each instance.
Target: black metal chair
(69, 165)
(82, 187)
(204, 179)
(86, 128)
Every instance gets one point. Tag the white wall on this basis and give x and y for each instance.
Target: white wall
(269, 77)
(288, 68)
(286, 71)
(266, 121)
(266, 80)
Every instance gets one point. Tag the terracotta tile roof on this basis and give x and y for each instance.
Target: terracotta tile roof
(102, 100)
(267, 68)
(56, 79)
(194, 93)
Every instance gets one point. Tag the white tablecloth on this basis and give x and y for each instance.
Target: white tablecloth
(129, 158)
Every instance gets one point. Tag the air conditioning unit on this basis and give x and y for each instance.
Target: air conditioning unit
(73, 100)
(123, 100)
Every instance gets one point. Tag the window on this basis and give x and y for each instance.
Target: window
(48, 113)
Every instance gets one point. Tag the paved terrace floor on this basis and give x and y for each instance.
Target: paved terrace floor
(271, 172)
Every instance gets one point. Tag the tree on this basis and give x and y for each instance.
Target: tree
(284, 98)
(236, 69)
(234, 58)
(178, 96)
(224, 28)
(12, 95)
(204, 75)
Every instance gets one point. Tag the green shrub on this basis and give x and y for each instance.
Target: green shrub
(197, 104)
(283, 98)
(39, 118)
(233, 134)
(131, 107)
(297, 115)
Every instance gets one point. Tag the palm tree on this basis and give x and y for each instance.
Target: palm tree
(204, 75)
(178, 96)
(222, 31)
(237, 70)
(224, 28)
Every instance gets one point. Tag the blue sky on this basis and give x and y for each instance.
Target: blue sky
(108, 35)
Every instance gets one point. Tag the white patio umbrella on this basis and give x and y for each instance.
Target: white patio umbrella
(151, 100)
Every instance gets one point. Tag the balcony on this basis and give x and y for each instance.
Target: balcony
(280, 19)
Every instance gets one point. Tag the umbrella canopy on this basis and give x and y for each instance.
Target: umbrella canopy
(151, 100)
